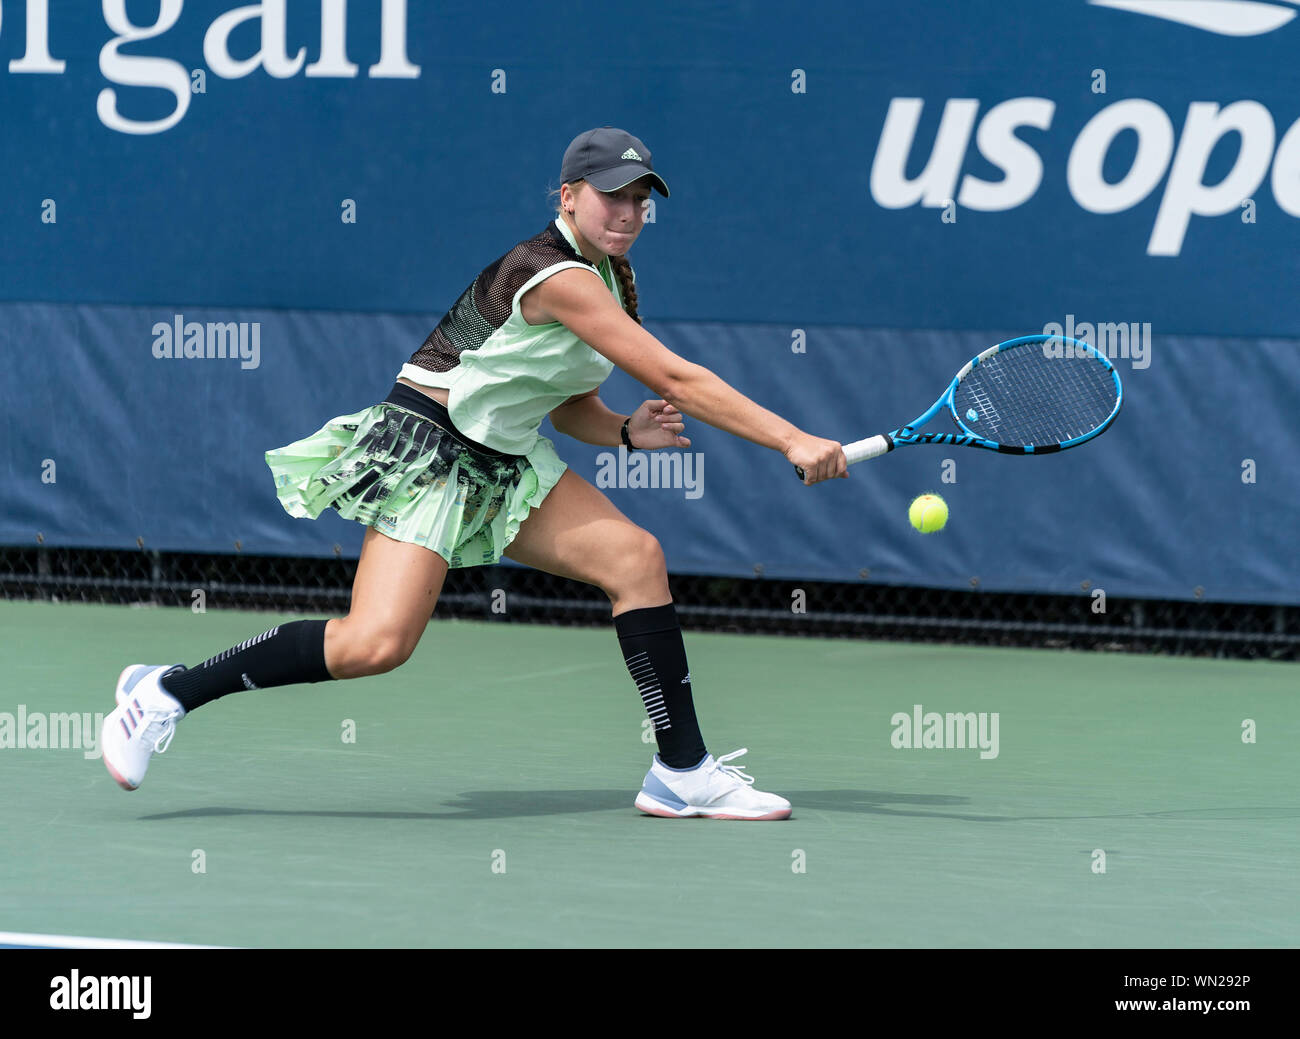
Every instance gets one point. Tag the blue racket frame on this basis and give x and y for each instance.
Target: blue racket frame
(908, 434)
(874, 447)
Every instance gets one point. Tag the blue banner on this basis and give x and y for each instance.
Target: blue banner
(863, 196)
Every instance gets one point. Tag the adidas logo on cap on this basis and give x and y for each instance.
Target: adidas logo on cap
(631, 154)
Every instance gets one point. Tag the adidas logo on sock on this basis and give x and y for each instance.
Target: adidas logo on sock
(631, 154)
(248, 682)
(687, 679)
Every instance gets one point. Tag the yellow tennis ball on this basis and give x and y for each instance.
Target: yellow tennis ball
(928, 513)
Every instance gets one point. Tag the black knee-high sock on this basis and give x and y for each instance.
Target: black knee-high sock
(651, 640)
(285, 655)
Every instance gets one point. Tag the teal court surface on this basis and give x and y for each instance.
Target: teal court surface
(481, 795)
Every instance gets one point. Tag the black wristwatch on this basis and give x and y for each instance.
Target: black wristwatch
(627, 440)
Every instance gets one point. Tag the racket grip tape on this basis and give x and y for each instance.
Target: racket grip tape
(872, 447)
(860, 451)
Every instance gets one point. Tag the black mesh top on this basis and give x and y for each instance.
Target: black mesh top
(486, 305)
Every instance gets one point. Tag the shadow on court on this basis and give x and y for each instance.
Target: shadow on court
(507, 804)
(875, 802)
(475, 804)
(879, 803)
(521, 804)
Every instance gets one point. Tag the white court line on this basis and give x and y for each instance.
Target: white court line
(68, 941)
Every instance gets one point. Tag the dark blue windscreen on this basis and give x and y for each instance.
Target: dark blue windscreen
(864, 196)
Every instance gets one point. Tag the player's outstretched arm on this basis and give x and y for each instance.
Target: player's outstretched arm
(584, 305)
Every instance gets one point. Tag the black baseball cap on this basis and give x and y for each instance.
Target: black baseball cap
(608, 158)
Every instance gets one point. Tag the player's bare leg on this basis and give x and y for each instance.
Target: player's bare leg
(578, 533)
(394, 592)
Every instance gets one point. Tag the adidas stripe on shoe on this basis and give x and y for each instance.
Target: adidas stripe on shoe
(142, 724)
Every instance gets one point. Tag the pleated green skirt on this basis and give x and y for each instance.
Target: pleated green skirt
(414, 481)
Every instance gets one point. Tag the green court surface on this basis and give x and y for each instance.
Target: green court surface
(487, 798)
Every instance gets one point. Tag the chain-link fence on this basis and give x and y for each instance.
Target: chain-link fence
(861, 609)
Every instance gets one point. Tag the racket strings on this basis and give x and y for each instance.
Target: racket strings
(1027, 396)
(985, 406)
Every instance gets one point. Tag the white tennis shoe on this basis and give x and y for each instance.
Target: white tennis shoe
(142, 724)
(711, 790)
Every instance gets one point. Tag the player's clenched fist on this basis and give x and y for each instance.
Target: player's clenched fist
(819, 459)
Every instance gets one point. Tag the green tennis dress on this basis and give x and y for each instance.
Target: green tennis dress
(458, 480)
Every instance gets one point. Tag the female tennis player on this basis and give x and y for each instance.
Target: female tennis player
(450, 471)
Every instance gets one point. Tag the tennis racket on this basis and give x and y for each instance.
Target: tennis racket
(1028, 396)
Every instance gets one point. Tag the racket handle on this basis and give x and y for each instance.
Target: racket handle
(860, 451)
(872, 447)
